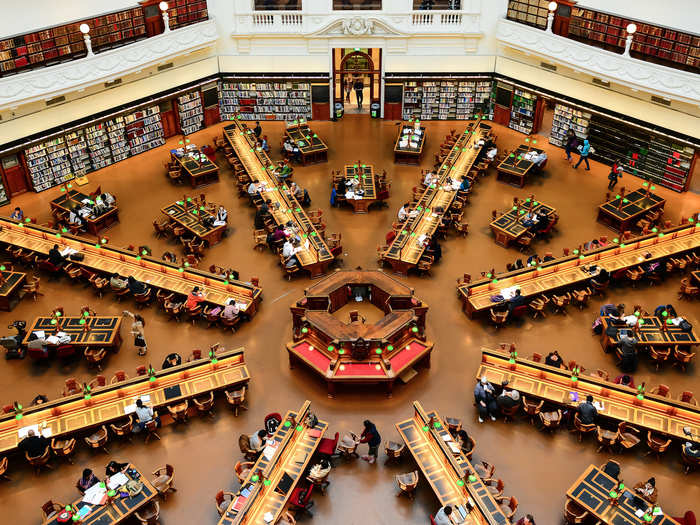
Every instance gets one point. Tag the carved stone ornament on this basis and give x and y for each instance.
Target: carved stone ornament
(357, 26)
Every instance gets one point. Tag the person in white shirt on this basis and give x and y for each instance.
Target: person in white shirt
(257, 440)
(429, 178)
(221, 215)
(403, 212)
(252, 189)
(108, 199)
(442, 516)
(289, 255)
(144, 414)
(74, 219)
(231, 310)
(540, 159)
(491, 154)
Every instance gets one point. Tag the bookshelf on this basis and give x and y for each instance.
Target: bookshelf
(659, 159)
(78, 153)
(446, 99)
(265, 100)
(97, 139)
(191, 112)
(186, 12)
(118, 142)
(529, 12)
(522, 111)
(4, 199)
(144, 130)
(565, 118)
(48, 164)
(65, 42)
(654, 43)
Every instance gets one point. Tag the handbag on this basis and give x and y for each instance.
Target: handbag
(77, 257)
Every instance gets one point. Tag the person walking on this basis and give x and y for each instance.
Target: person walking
(137, 325)
(615, 173)
(348, 89)
(370, 435)
(359, 86)
(571, 143)
(584, 151)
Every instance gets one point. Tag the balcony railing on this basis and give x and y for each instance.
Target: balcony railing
(49, 82)
(623, 70)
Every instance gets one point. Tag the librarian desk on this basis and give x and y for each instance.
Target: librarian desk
(622, 214)
(118, 511)
(620, 403)
(575, 270)
(592, 491)
(408, 246)
(411, 152)
(515, 168)
(199, 172)
(96, 332)
(74, 415)
(314, 254)
(508, 228)
(653, 332)
(312, 149)
(272, 482)
(450, 474)
(363, 173)
(192, 219)
(11, 289)
(95, 224)
(107, 260)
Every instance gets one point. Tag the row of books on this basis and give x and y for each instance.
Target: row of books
(265, 100)
(191, 112)
(566, 118)
(446, 99)
(522, 111)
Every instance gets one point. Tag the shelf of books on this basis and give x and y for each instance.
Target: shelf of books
(78, 153)
(530, 12)
(566, 118)
(4, 199)
(98, 145)
(186, 12)
(57, 44)
(191, 112)
(522, 111)
(265, 100)
(659, 159)
(144, 130)
(49, 163)
(447, 99)
(118, 142)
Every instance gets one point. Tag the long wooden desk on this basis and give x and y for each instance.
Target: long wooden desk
(200, 172)
(632, 207)
(367, 183)
(108, 260)
(571, 271)
(592, 492)
(515, 168)
(508, 227)
(70, 415)
(316, 257)
(450, 474)
(296, 444)
(313, 150)
(409, 244)
(117, 511)
(101, 332)
(652, 332)
(191, 218)
(409, 154)
(10, 289)
(66, 201)
(620, 403)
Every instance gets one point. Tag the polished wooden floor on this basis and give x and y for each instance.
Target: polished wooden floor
(536, 468)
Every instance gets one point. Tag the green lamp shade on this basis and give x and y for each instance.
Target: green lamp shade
(425, 428)
(390, 348)
(287, 424)
(437, 424)
(414, 329)
(82, 321)
(304, 330)
(255, 478)
(53, 321)
(331, 348)
(460, 483)
(267, 482)
(472, 478)
(378, 351)
(2, 268)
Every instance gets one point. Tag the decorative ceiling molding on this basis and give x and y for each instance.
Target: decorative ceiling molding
(52, 81)
(636, 74)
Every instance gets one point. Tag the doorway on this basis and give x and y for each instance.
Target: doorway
(356, 71)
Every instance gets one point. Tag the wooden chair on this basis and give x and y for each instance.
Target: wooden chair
(179, 411)
(485, 471)
(164, 480)
(123, 430)
(657, 443)
(536, 357)
(683, 357)
(689, 462)
(205, 404)
(532, 408)
(320, 482)
(4, 463)
(242, 469)
(661, 390)
(151, 428)
(628, 436)
(244, 446)
(173, 310)
(581, 428)
(498, 318)
(32, 288)
(394, 450)
(688, 291)
(524, 241)
(95, 356)
(407, 483)
(508, 505)
(537, 306)
(496, 487)
(560, 302)
(659, 355)
(118, 377)
(606, 438)
(98, 439)
(223, 501)
(236, 399)
(551, 419)
(50, 509)
(149, 514)
(580, 297)
(454, 424)
(143, 299)
(574, 514)
(688, 397)
(72, 387)
(39, 462)
(64, 448)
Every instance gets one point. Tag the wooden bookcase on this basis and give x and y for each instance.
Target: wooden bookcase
(268, 100)
(186, 12)
(529, 12)
(447, 99)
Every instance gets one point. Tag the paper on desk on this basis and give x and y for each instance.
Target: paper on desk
(269, 452)
(40, 334)
(68, 251)
(599, 405)
(117, 480)
(639, 513)
(22, 432)
(268, 517)
(95, 495)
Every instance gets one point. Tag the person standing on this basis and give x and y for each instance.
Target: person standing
(257, 129)
(359, 86)
(584, 151)
(485, 400)
(348, 88)
(570, 144)
(370, 435)
(615, 173)
(137, 326)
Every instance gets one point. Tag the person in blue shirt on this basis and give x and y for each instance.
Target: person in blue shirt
(18, 214)
(370, 435)
(465, 184)
(583, 154)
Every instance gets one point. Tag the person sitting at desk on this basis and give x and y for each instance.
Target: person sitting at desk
(321, 469)
(628, 351)
(144, 414)
(18, 214)
(283, 171)
(542, 223)
(260, 215)
(508, 399)
(539, 160)
(257, 129)
(117, 282)
(465, 184)
(135, 286)
(296, 191)
(463, 440)
(403, 212)
(169, 257)
(435, 248)
(492, 152)
(171, 360)
(291, 150)
(39, 400)
(647, 490)
(624, 380)
(690, 448)
(526, 520)
(253, 189)
(108, 199)
(55, 257)
(442, 516)
(276, 236)
(264, 145)
(257, 440)
(591, 245)
(114, 467)
(33, 445)
(553, 359)
(230, 311)
(74, 217)
(602, 278)
(87, 480)
(485, 400)
(515, 301)
(221, 216)
(429, 178)
(548, 257)
(668, 308)
(289, 254)
(194, 298)
(587, 413)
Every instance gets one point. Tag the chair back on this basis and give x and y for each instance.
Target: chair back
(244, 443)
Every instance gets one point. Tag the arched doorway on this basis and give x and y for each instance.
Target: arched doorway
(351, 66)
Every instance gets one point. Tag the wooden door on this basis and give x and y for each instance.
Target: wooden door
(153, 17)
(321, 110)
(538, 114)
(501, 115)
(15, 176)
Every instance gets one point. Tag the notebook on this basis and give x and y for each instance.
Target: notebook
(314, 432)
(284, 484)
(172, 391)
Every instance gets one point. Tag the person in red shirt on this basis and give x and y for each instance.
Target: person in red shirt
(194, 298)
